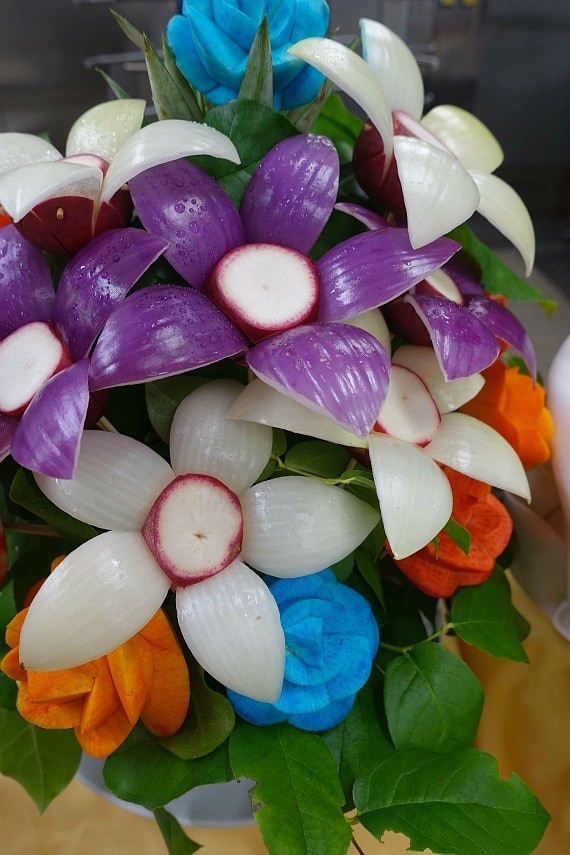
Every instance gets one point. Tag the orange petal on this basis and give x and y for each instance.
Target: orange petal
(65, 685)
(169, 697)
(103, 701)
(131, 667)
(10, 664)
(14, 629)
(103, 740)
(50, 715)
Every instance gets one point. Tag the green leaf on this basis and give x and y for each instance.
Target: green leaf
(42, 761)
(496, 277)
(305, 116)
(164, 396)
(433, 700)
(318, 457)
(298, 792)
(8, 692)
(254, 129)
(32, 566)
(257, 82)
(210, 720)
(459, 535)
(26, 493)
(131, 32)
(455, 803)
(191, 96)
(340, 125)
(361, 739)
(117, 90)
(151, 776)
(483, 615)
(177, 842)
(168, 99)
(367, 564)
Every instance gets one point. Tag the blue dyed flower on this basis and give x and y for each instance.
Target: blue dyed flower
(211, 41)
(331, 637)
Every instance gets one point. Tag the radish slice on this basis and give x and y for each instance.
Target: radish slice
(194, 529)
(23, 188)
(448, 394)
(294, 526)
(264, 405)
(203, 440)
(8, 425)
(440, 284)
(474, 448)
(465, 136)
(26, 292)
(115, 483)
(409, 411)
(395, 67)
(29, 357)
(265, 289)
(18, 149)
(96, 599)
(104, 128)
(414, 494)
(231, 624)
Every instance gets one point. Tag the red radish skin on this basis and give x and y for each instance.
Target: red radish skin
(194, 529)
(29, 357)
(440, 284)
(265, 289)
(409, 411)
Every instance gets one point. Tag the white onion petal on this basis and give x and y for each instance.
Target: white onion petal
(204, 441)
(449, 395)
(295, 526)
(23, 188)
(18, 149)
(395, 67)
(104, 592)
(103, 129)
(231, 624)
(414, 494)
(472, 447)
(115, 483)
(465, 136)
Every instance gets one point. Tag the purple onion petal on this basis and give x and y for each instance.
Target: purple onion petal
(463, 344)
(292, 193)
(48, 436)
(371, 269)
(97, 279)
(182, 204)
(160, 331)
(8, 425)
(464, 276)
(505, 326)
(369, 218)
(337, 370)
(26, 289)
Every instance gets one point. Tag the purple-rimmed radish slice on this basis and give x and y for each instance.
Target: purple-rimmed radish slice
(194, 529)
(265, 288)
(29, 357)
(409, 412)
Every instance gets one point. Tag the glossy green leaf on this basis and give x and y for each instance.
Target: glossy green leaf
(318, 457)
(484, 615)
(459, 535)
(26, 493)
(209, 722)
(257, 82)
(151, 776)
(340, 125)
(455, 803)
(42, 761)
(177, 842)
(298, 794)
(496, 277)
(433, 700)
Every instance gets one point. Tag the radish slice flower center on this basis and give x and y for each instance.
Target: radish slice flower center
(28, 357)
(194, 529)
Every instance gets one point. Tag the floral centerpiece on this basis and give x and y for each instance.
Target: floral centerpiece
(260, 393)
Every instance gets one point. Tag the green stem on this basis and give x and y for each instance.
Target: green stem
(31, 528)
(334, 481)
(356, 846)
(404, 651)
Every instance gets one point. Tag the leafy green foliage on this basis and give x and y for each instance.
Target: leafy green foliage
(298, 794)
(459, 535)
(340, 125)
(318, 457)
(209, 722)
(433, 700)
(177, 842)
(257, 82)
(26, 493)
(483, 615)
(455, 803)
(43, 761)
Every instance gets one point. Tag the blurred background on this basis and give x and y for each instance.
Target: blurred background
(508, 61)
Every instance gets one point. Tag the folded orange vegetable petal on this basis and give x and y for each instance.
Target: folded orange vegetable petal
(131, 666)
(54, 716)
(59, 685)
(103, 740)
(169, 697)
(10, 664)
(14, 629)
(103, 700)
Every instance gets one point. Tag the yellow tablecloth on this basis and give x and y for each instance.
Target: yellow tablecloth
(525, 724)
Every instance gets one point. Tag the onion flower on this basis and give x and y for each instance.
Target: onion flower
(49, 363)
(59, 203)
(439, 569)
(331, 638)
(198, 526)
(417, 430)
(437, 170)
(211, 41)
(255, 266)
(146, 677)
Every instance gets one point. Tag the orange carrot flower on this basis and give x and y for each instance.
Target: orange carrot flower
(146, 678)
(511, 404)
(439, 571)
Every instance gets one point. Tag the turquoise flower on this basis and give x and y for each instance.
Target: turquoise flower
(211, 41)
(331, 638)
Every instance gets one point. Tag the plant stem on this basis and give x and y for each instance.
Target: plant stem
(105, 424)
(443, 630)
(356, 846)
(31, 528)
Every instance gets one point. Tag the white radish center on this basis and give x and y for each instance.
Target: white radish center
(194, 529)
(265, 288)
(28, 358)
(409, 411)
